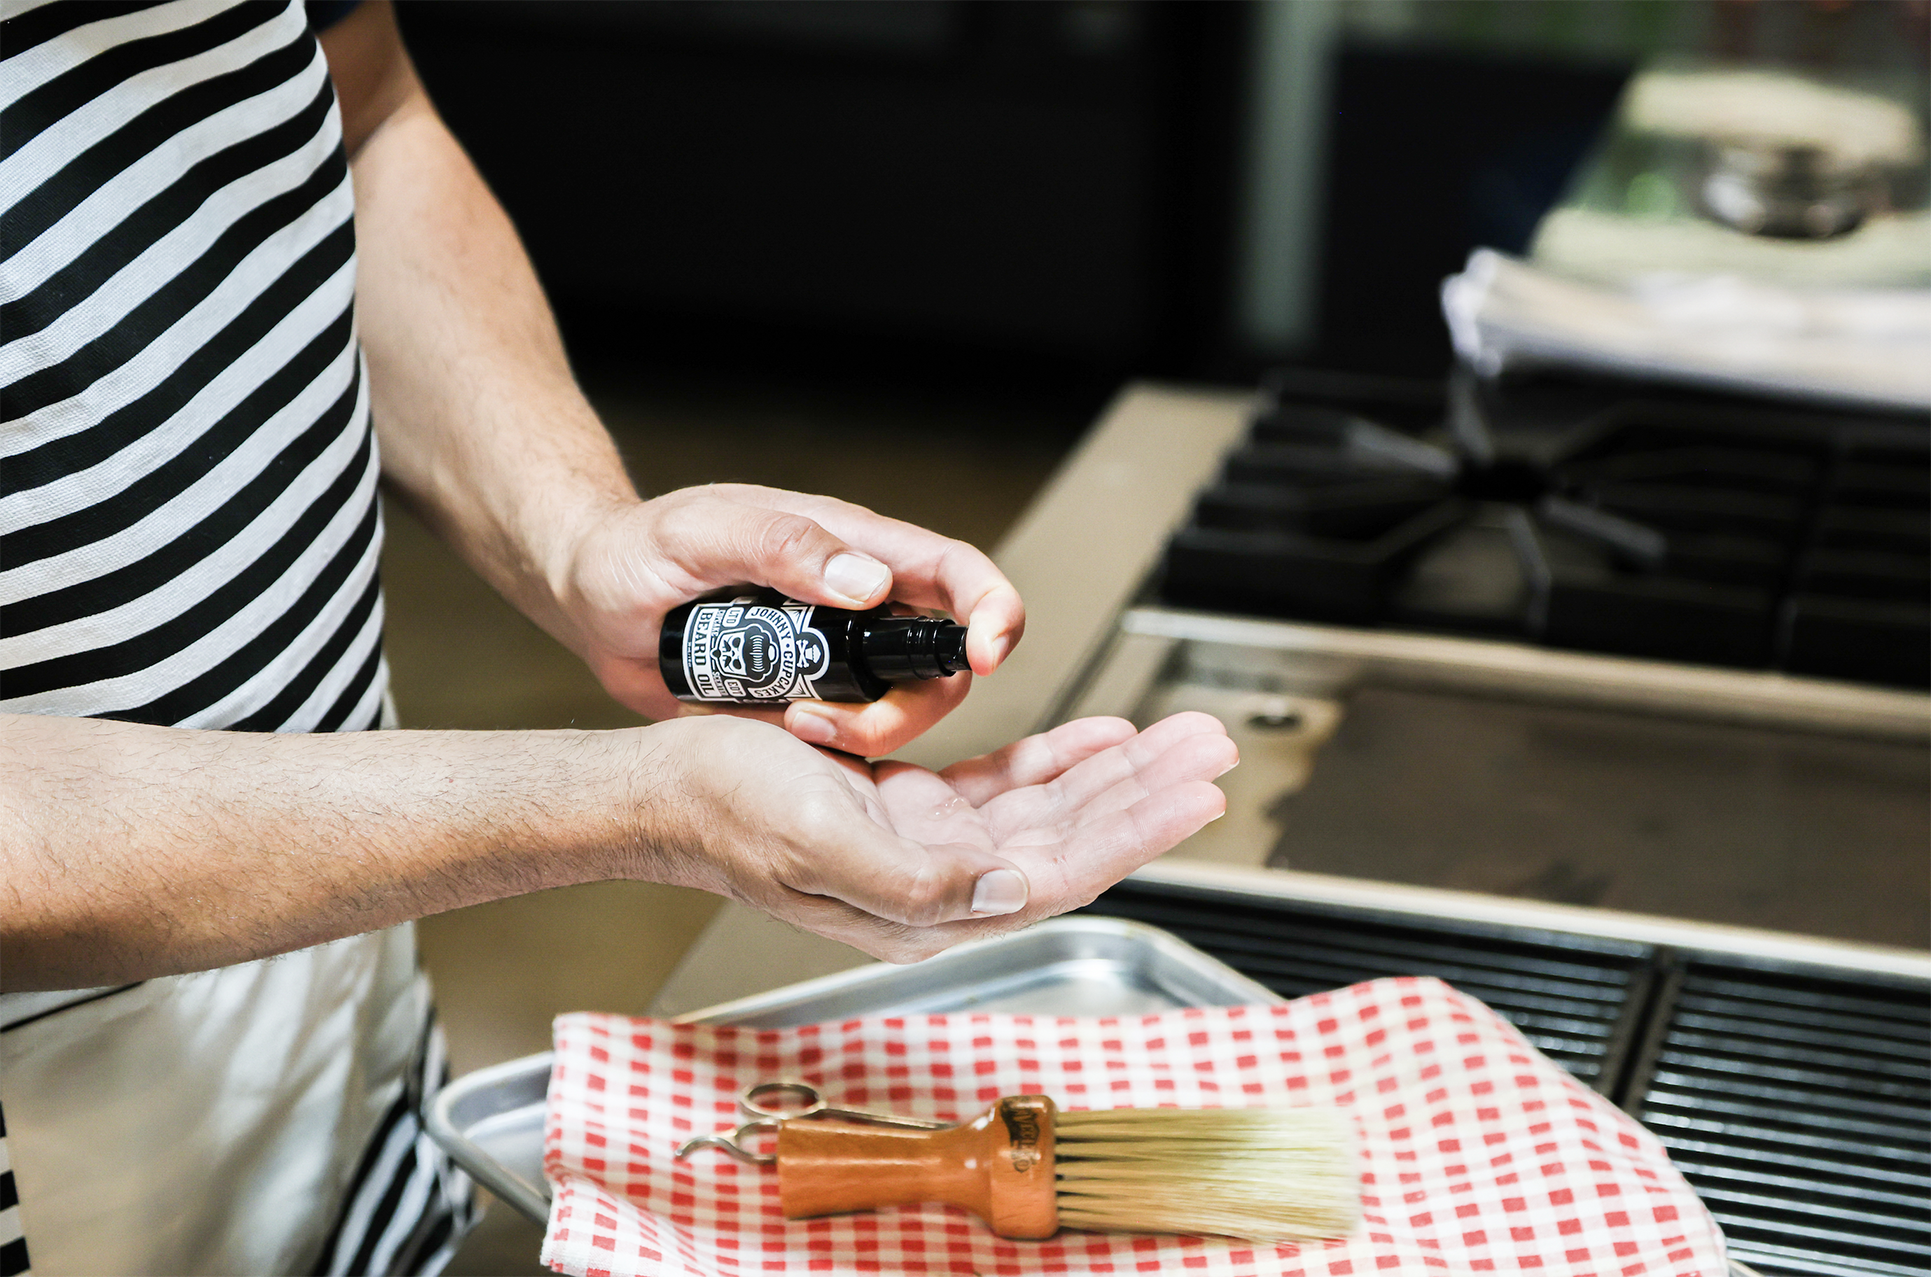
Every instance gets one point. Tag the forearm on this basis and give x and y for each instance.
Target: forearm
(482, 428)
(128, 852)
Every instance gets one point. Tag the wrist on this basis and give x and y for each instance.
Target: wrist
(655, 800)
(566, 542)
(558, 548)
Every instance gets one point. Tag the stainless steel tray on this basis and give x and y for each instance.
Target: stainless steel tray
(491, 1121)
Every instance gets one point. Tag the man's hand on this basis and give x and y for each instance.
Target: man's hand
(902, 862)
(633, 562)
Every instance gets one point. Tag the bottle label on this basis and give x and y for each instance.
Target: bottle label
(743, 650)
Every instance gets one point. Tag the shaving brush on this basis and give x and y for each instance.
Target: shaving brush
(1027, 1169)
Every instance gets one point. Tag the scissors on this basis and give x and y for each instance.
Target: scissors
(760, 1104)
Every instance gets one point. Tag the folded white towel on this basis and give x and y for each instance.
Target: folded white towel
(1868, 346)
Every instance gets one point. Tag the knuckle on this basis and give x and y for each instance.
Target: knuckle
(925, 899)
(958, 559)
(788, 536)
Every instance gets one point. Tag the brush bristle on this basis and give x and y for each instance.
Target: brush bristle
(1264, 1174)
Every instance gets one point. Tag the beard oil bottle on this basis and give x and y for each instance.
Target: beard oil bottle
(762, 648)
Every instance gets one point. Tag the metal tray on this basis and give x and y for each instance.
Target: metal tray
(491, 1121)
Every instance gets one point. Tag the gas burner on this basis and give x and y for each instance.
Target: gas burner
(1713, 532)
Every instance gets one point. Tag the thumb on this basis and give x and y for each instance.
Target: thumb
(731, 543)
(914, 884)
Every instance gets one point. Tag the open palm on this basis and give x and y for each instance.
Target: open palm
(886, 856)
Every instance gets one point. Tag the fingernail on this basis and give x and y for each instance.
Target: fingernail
(812, 729)
(1001, 648)
(856, 577)
(999, 891)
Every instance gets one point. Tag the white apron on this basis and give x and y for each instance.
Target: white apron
(207, 1123)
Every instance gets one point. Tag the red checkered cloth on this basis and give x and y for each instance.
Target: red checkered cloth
(1479, 1154)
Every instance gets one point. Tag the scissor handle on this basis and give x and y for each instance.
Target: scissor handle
(753, 1101)
(732, 1142)
(767, 1120)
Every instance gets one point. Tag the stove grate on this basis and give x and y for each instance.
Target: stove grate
(1796, 1100)
(1577, 999)
(1800, 1108)
(1718, 532)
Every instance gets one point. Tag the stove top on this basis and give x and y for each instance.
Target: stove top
(1597, 516)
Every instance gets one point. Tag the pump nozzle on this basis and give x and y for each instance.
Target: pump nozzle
(900, 648)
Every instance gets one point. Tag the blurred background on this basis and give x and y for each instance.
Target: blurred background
(905, 251)
(1065, 191)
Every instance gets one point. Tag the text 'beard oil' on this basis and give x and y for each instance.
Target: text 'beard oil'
(761, 648)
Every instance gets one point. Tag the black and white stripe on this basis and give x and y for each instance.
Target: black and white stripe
(410, 1206)
(188, 523)
(188, 520)
(13, 1243)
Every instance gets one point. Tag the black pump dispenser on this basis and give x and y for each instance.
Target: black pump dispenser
(761, 648)
(900, 648)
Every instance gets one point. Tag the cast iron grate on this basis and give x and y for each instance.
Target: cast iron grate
(1799, 1106)
(1577, 998)
(1797, 1101)
(1712, 532)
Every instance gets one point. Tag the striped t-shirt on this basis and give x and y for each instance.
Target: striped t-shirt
(188, 520)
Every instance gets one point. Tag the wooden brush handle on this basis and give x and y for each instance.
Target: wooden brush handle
(999, 1166)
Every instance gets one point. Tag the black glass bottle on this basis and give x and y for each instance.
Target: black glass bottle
(760, 648)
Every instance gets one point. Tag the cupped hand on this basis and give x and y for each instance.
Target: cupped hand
(636, 561)
(902, 862)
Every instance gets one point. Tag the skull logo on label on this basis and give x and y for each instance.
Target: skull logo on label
(741, 653)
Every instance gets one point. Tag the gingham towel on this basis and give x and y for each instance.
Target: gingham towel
(1479, 1155)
